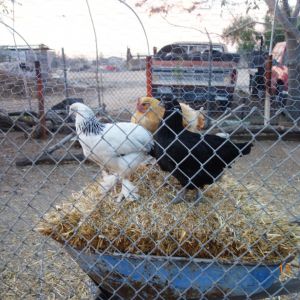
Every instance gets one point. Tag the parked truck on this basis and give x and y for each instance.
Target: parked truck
(195, 72)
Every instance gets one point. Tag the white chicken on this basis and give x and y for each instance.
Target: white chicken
(119, 148)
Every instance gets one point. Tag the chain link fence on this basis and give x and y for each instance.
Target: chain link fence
(204, 204)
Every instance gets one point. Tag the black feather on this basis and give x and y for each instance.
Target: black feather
(91, 126)
(194, 159)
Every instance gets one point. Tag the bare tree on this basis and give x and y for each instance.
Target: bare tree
(287, 17)
(4, 7)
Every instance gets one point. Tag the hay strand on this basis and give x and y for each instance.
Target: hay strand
(228, 224)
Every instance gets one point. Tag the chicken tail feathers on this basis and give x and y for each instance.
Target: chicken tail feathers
(245, 148)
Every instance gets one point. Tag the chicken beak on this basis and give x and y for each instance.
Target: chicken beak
(140, 107)
(138, 104)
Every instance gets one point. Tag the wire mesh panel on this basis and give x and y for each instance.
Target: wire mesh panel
(171, 175)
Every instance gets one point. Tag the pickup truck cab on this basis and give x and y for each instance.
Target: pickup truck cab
(193, 72)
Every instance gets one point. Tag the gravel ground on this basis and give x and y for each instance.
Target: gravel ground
(34, 267)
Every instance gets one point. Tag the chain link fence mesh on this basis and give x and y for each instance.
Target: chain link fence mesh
(65, 231)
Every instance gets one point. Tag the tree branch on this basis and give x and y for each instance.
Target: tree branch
(296, 10)
(286, 8)
(282, 18)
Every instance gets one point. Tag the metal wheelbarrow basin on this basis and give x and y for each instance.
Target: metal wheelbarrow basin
(158, 277)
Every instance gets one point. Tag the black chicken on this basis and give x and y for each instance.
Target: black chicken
(194, 159)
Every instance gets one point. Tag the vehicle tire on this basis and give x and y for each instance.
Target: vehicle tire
(257, 84)
(253, 86)
(280, 97)
(224, 105)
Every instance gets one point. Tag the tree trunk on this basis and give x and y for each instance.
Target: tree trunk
(287, 17)
(293, 63)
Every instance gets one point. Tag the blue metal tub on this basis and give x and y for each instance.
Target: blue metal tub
(174, 277)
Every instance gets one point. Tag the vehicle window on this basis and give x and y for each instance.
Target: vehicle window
(218, 48)
(203, 47)
(191, 50)
(195, 49)
(179, 49)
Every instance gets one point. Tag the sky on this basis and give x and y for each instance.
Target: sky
(66, 23)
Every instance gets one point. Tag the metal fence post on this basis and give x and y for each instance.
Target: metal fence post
(149, 76)
(65, 72)
(268, 76)
(41, 100)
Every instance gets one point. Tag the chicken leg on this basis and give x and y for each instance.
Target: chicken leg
(108, 181)
(199, 196)
(128, 191)
(181, 196)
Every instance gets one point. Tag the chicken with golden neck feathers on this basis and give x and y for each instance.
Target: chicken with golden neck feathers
(149, 112)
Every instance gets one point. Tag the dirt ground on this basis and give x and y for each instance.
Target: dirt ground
(119, 89)
(34, 267)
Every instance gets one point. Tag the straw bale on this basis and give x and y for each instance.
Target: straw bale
(232, 222)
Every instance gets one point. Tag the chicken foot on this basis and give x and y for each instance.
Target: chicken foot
(108, 181)
(199, 197)
(128, 191)
(181, 196)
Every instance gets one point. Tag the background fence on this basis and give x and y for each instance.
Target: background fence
(60, 235)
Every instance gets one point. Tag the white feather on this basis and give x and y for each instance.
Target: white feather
(120, 147)
(223, 135)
